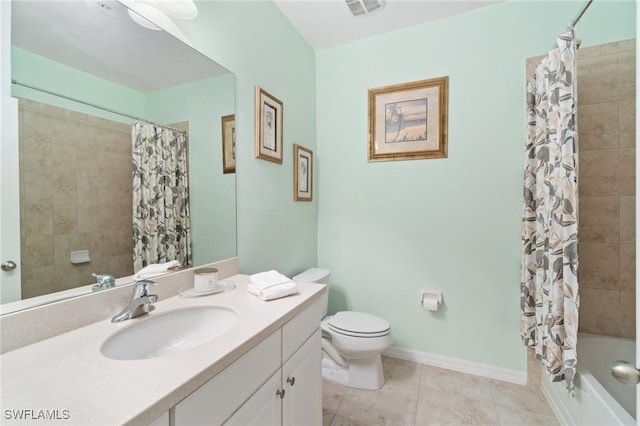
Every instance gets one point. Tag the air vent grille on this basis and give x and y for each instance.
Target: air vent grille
(362, 7)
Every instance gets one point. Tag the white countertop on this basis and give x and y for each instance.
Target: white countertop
(68, 372)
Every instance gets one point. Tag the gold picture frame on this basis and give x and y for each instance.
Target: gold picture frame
(302, 173)
(409, 121)
(269, 110)
(229, 144)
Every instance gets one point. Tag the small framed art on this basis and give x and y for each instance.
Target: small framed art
(409, 121)
(302, 173)
(229, 144)
(269, 110)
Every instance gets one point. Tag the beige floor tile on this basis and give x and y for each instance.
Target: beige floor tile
(327, 416)
(347, 420)
(442, 408)
(401, 377)
(456, 383)
(510, 416)
(378, 408)
(416, 394)
(332, 395)
(517, 397)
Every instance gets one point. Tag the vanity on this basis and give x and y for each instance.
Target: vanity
(264, 369)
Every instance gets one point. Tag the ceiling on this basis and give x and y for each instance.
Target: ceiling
(329, 23)
(98, 37)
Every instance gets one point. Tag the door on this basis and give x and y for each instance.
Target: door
(9, 187)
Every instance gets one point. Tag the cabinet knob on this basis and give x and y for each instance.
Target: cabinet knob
(291, 381)
(280, 393)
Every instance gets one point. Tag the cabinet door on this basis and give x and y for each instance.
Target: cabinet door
(302, 382)
(263, 408)
(217, 399)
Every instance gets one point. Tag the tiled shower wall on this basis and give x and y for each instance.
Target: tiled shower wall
(75, 194)
(606, 126)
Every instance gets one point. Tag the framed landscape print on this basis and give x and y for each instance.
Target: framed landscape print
(302, 173)
(408, 121)
(229, 144)
(268, 127)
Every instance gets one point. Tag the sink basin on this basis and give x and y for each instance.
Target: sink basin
(163, 334)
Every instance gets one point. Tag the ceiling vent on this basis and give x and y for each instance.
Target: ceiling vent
(363, 7)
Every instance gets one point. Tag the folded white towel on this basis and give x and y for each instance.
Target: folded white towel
(264, 280)
(155, 269)
(275, 291)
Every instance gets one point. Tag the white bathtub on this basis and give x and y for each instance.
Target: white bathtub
(599, 398)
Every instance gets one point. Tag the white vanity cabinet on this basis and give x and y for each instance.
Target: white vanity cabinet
(291, 396)
(278, 382)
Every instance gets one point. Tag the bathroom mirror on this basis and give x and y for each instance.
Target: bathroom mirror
(83, 71)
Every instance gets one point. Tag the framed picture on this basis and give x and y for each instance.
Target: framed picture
(229, 144)
(302, 173)
(409, 121)
(268, 127)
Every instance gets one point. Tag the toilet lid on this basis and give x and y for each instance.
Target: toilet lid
(359, 324)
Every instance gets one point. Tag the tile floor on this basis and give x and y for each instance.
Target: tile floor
(416, 394)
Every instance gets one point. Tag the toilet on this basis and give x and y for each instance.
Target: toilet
(352, 342)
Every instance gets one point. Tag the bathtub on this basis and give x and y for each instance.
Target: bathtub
(599, 398)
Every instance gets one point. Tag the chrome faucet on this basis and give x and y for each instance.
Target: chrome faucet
(105, 281)
(141, 302)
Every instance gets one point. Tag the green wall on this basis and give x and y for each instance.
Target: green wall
(388, 230)
(38, 71)
(213, 194)
(256, 42)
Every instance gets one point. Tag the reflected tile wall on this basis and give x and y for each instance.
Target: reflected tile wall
(75, 194)
(606, 125)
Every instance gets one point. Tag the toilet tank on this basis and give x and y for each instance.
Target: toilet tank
(314, 275)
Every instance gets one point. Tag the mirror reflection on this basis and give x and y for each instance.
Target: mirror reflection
(119, 127)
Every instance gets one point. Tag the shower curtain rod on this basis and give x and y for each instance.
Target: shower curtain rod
(95, 106)
(579, 15)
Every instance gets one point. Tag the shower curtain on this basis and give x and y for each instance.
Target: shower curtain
(161, 220)
(549, 281)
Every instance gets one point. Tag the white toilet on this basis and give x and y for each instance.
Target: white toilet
(351, 342)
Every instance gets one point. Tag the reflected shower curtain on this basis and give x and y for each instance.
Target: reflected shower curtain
(549, 282)
(161, 220)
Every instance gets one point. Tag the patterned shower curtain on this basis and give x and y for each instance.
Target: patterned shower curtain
(549, 286)
(161, 220)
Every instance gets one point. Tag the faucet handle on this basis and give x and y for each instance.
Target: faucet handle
(104, 281)
(141, 288)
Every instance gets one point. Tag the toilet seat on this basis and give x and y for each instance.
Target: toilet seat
(358, 324)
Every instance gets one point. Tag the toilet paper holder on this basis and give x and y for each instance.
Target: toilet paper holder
(430, 296)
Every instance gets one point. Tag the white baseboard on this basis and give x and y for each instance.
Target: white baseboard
(475, 368)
